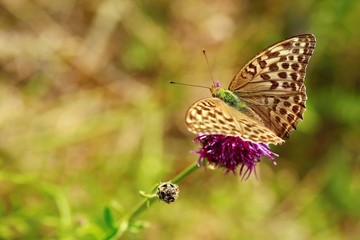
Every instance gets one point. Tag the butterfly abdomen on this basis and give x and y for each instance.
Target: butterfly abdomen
(229, 98)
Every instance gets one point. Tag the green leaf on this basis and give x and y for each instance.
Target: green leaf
(109, 220)
(137, 226)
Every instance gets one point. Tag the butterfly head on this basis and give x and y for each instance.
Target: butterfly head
(215, 89)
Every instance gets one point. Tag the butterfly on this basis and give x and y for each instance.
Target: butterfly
(264, 101)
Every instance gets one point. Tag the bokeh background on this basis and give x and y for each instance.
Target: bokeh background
(87, 119)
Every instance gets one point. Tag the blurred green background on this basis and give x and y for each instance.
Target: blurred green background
(87, 119)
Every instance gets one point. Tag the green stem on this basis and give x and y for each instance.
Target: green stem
(187, 171)
(146, 203)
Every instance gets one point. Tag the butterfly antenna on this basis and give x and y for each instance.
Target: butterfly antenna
(189, 85)
(207, 62)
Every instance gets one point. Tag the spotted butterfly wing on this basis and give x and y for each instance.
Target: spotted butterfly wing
(214, 116)
(272, 87)
(272, 83)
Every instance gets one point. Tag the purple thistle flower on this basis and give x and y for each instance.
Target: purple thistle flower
(230, 151)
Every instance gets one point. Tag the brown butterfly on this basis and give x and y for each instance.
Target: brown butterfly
(264, 101)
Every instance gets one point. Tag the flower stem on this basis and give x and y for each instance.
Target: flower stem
(146, 203)
(187, 171)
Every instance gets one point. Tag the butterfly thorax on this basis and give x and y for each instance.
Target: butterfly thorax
(228, 97)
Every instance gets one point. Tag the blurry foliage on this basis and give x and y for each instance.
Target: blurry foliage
(87, 119)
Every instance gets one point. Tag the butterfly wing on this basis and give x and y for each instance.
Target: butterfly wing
(213, 116)
(272, 83)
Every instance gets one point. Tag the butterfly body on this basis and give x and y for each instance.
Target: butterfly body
(264, 101)
(227, 96)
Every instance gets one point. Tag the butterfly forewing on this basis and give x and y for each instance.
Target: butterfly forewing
(213, 116)
(272, 83)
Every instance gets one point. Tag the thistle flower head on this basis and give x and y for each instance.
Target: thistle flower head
(230, 151)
